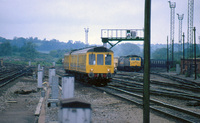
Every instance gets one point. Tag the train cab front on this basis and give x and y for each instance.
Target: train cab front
(101, 67)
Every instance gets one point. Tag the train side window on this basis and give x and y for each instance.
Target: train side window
(99, 59)
(92, 59)
(108, 60)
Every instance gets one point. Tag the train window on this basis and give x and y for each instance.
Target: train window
(137, 59)
(92, 59)
(132, 59)
(108, 59)
(99, 59)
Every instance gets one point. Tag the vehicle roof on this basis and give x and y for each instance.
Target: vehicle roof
(89, 49)
(129, 56)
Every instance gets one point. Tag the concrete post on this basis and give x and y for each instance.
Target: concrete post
(52, 72)
(42, 72)
(54, 91)
(54, 87)
(54, 64)
(38, 67)
(73, 110)
(39, 79)
(178, 69)
(1, 62)
(29, 63)
(67, 87)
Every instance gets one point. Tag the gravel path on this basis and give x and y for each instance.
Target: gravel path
(19, 108)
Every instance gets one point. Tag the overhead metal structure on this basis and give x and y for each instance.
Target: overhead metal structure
(190, 28)
(86, 35)
(110, 35)
(172, 6)
(180, 18)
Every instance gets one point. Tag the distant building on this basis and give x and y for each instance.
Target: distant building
(115, 62)
(189, 64)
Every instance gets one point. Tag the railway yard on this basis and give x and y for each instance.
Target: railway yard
(173, 98)
(129, 69)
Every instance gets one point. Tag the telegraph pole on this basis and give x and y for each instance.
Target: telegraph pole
(195, 59)
(167, 56)
(147, 37)
(183, 50)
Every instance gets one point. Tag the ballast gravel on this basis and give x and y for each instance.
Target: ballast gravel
(109, 109)
(105, 108)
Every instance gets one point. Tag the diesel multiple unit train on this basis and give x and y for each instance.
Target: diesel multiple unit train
(130, 63)
(94, 64)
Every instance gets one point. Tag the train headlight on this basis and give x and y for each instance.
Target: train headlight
(108, 70)
(91, 70)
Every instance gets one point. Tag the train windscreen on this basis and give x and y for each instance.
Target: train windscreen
(92, 59)
(132, 59)
(108, 59)
(137, 59)
(99, 59)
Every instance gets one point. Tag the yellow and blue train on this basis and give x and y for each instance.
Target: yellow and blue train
(130, 63)
(94, 64)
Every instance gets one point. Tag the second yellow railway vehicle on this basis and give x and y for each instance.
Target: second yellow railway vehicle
(94, 64)
(130, 63)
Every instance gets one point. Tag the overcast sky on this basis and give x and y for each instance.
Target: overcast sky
(66, 19)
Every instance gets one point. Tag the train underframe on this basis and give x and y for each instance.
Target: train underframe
(97, 79)
(129, 68)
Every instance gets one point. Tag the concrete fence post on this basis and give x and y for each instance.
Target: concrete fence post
(1, 62)
(178, 69)
(39, 79)
(73, 110)
(54, 87)
(42, 72)
(38, 67)
(54, 91)
(67, 87)
(52, 72)
(29, 63)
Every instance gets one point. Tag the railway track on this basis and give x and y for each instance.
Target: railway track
(8, 75)
(177, 82)
(180, 80)
(179, 113)
(137, 86)
(130, 88)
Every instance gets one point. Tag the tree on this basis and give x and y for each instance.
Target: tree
(5, 49)
(58, 53)
(59, 61)
(126, 49)
(28, 51)
(160, 53)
